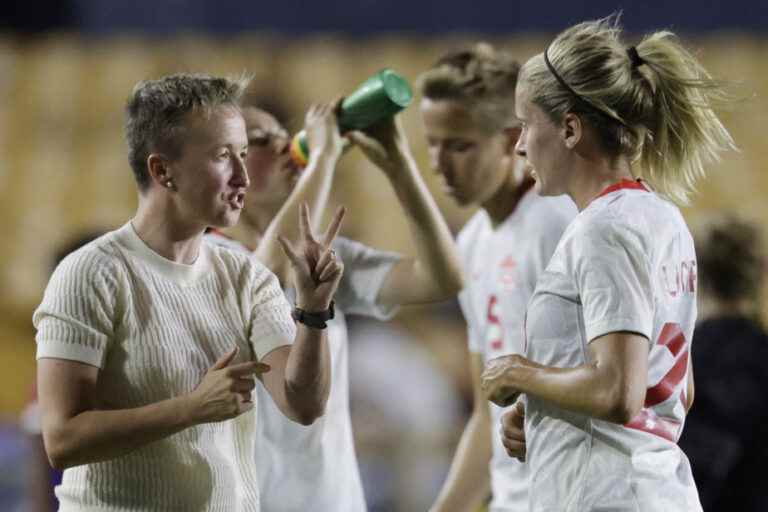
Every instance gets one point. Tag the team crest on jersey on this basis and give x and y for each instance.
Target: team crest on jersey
(508, 273)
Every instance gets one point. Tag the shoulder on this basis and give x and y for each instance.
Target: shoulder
(549, 216)
(95, 262)
(473, 230)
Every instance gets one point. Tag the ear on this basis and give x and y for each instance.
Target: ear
(157, 165)
(513, 134)
(572, 130)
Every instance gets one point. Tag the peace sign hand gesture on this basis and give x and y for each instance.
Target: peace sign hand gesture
(316, 270)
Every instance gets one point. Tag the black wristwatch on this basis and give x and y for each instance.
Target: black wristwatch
(315, 319)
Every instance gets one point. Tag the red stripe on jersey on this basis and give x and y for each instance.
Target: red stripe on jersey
(649, 421)
(631, 184)
(673, 338)
(664, 389)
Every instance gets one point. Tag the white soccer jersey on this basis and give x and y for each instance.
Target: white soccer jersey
(626, 263)
(502, 266)
(315, 467)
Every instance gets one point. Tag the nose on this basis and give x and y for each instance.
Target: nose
(240, 172)
(282, 145)
(520, 148)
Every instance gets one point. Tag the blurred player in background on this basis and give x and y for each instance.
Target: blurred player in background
(608, 330)
(148, 340)
(725, 433)
(315, 468)
(471, 129)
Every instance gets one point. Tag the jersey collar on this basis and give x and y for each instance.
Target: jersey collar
(624, 184)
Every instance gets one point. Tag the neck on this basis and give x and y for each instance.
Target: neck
(506, 198)
(590, 176)
(252, 225)
(158, 224)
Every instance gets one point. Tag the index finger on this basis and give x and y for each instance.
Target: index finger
(246, 368)
(334, 226)
(305, 226)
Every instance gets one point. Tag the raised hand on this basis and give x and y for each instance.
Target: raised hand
(225, 391)
(316, 270)
(384, 144)
(322, 127)
(513, 431)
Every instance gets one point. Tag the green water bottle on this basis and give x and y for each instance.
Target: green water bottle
(383, 95)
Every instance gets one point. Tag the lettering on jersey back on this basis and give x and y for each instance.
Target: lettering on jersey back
(680, 278)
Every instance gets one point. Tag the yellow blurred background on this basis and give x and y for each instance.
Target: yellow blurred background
(64, 170)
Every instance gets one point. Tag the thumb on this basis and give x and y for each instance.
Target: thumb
(224, 360)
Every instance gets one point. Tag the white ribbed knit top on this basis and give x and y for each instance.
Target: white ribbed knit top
(155, 327)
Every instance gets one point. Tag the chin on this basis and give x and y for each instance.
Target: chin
(226, 219)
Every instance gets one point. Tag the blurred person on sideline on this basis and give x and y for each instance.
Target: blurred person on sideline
(315, 468)
(41, 479)
(403, 452)
(725, 433)
(149, 341)
(469, 122)
(605, 376)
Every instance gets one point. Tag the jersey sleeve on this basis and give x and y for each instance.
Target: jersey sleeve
(613, 275)
(76, 318)
(271, 321)
(365, 270)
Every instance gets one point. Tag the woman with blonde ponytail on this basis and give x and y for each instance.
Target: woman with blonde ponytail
(606, 379)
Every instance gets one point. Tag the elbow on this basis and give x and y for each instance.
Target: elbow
(308, 414)
(59, 456)
(623, 406)
(304, 409)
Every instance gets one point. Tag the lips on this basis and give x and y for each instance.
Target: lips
(236, 200)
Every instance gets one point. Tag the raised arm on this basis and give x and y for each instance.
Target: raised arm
(300, 379)
(435, 273)
(313, 188)
(79, 429)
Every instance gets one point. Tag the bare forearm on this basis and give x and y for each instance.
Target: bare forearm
(308, 374)
(583, 389)
(435, 274)
(314, 188)
(99, 435)
(468, 481)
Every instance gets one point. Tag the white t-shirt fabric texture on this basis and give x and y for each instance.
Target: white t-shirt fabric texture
(626, 263)
(502, 266)
(154, 327)
(315, 467)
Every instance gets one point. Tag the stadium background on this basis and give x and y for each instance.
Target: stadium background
(66, 69)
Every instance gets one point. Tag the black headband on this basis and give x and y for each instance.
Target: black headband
(560, 79)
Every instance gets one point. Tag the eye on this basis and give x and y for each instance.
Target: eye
(460, 146)
(259, 141)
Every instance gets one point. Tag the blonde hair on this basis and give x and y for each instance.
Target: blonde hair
(653, 102)
(481, 77)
